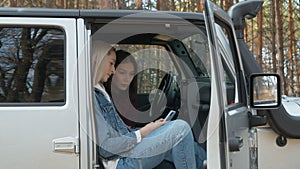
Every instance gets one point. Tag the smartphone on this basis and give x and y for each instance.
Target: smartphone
(170, 115)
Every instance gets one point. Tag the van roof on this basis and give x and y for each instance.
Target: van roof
(88, 13)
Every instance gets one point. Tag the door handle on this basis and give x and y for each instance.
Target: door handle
(66, 145)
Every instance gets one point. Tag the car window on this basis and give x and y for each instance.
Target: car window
(197, 46)
(32, 65)
(229, 68)
(153, 61)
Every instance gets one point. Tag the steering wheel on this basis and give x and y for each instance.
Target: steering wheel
(167, 97)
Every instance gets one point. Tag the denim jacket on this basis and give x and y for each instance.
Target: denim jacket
(115, 139)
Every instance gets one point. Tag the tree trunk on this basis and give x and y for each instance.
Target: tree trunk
(200, 5)
(280, 44)
(105, 4)
(259, 39)
(122, 4)
(139, 4)
(12, 3)
(77, 4)
(20, 3)
(50, 4)
(193, 6)
(222, 4)
(298, 72)
(18, 91)
(252, 35)
(273, 37)
(71, 4)
(158, 5)
(39, 78)
(40, 68)
(291, 47)
(162, 5)
(297, 59)
(61, 3)
(228, 4)
(86, 4)
(173, 7)
(246, 33)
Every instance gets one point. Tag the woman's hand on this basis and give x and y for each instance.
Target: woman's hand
(151, 127)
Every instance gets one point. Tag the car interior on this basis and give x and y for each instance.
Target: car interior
(174, 74)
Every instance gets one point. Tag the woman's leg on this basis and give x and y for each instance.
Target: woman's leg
(200, 155)
(182, 153)
(153, 149)
(173, 141)
(151, 162)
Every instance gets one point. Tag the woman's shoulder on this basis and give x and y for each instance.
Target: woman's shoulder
(102, 102)
(99, 94)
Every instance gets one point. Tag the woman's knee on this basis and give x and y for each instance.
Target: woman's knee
(181, 127)
(177, 129)
(182, 124)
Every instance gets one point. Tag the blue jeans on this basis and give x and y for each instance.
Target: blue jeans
(173, 142)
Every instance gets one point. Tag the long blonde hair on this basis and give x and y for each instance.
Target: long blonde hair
(99, 50)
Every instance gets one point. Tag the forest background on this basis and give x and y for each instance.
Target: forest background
(273, 36)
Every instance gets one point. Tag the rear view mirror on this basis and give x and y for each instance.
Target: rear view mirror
(265, 91)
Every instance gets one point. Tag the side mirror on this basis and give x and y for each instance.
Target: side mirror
(265, 91)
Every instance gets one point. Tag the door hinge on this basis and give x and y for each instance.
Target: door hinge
(66, 145)
(253, 148)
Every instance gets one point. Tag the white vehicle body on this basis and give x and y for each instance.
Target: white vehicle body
(59, 133)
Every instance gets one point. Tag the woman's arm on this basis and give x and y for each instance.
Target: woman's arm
(147, 129)
(110, 142)
(117, 140)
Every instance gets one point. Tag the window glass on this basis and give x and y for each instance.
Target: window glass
(229, 68)
(200, 94)
(153, 63)
(197, 46)
(32, 65)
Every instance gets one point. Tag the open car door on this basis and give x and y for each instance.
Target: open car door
(277, 144)
(215, 113)
(228, 122)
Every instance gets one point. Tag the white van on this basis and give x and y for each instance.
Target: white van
(199, 61)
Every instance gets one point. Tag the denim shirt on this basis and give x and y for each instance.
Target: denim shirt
(115, 139)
